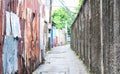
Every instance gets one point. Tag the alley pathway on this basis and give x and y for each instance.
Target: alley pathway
(61, 60)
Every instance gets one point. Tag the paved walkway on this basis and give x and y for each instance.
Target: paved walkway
(62, 60)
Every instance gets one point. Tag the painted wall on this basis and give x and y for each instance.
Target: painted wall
(53, 37)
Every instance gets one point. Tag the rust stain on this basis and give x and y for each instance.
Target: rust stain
(21, 48)
(0, 39)
(29, 43)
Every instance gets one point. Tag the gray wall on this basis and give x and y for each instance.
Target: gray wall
(95, 35)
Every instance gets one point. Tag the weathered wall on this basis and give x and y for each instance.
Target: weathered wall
(0, 36)
(53, 36)
(117, 34)
(108, 36)
(60, 37)
(19, 35)
(95, 35)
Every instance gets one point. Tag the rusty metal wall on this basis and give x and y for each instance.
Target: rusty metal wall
(0, 36)
(21, 49)
(28, 47)
(95, 35)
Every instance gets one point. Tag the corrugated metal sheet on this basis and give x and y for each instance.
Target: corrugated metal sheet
(15, 25)
(28, 39)
(10, 46)
(43, 32)
(33, 5)
(11, 5)
(31, 41)
(10, 63)
(0, 37)
(21, 36)
(37, 52)
(21, 49)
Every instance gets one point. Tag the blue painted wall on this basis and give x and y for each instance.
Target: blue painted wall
(10, 61)
(53, 36)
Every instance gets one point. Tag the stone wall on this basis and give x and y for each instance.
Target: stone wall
(95, 35)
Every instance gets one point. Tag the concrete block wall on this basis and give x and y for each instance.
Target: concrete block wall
(95, 35)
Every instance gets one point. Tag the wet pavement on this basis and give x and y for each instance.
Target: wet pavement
(61, 60)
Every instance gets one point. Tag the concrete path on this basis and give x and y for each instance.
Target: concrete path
(61, 60)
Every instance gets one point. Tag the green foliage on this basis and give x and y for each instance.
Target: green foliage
(60, 17)
(79, 5)
(63, 16)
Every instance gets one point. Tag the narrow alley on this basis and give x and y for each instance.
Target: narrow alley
(62, 60)
(59, 36)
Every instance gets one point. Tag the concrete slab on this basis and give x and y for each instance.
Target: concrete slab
(61, 60)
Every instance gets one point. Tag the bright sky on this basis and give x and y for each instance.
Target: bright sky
(69, 3)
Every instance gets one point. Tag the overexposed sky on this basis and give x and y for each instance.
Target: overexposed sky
(71, 4)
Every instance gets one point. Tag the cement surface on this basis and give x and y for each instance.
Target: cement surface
(61, 60)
